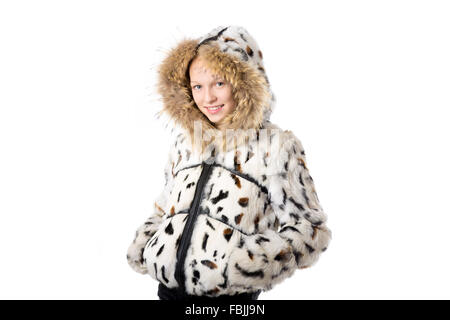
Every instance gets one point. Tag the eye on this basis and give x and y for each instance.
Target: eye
(221, 83)
(197, 85)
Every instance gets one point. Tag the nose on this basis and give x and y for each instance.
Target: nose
(209, 96)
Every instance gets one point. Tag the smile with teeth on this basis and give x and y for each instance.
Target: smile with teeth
(214, 109)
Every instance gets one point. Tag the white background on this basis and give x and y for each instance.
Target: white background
(363, 84)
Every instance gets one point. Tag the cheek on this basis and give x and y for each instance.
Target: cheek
(197, 98)
(231, 101)
(229, 95)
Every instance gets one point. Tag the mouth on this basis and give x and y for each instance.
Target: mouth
(214, 109)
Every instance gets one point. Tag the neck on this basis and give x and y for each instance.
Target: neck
(219, 125)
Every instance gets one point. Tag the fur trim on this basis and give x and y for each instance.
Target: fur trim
(229, 55)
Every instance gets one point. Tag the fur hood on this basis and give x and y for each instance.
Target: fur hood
(232, 53)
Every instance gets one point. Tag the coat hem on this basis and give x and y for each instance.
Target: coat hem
(165, 293)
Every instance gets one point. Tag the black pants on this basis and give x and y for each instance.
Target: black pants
(165, 293)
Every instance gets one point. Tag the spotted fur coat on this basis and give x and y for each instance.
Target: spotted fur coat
(231, 219)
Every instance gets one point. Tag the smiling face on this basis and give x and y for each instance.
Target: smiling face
(212, 94)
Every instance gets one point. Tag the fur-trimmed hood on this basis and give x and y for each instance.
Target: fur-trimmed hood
(230, 52)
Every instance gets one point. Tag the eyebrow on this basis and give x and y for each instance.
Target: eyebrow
(216, 78)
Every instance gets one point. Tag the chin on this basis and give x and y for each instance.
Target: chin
(216, 121)
(213, 119)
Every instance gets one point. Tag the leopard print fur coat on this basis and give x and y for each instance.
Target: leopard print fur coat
(231, 218)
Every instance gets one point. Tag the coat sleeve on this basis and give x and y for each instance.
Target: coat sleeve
(148, 229)
(268, 258)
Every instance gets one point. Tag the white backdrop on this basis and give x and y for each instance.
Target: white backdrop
(363, 84)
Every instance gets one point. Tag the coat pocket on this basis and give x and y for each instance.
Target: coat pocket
(207, 260)
(161, 250)
(261, 261)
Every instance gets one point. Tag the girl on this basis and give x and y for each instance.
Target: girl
(239, 212)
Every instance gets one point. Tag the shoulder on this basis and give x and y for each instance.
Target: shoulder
(283, 141)
(291, 143)
(177, 140)
(284, 148)
(181, 152)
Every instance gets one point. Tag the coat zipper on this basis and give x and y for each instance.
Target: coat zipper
(189, 227)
